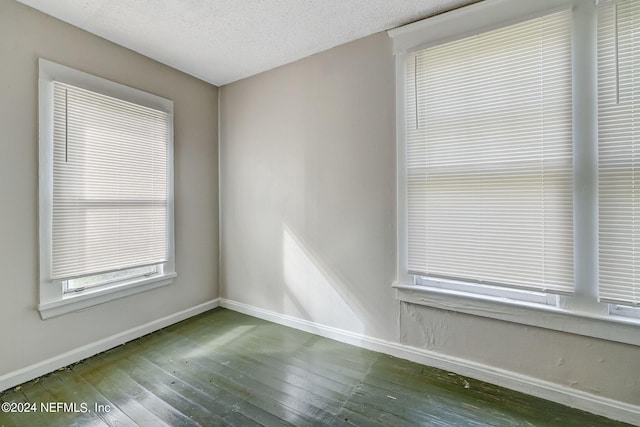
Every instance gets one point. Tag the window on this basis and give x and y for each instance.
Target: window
(489, 153)
(517, 163)
(619, 151)
(105, 190)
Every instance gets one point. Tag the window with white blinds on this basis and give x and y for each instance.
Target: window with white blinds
(110, 184)
(489, 157)
(619, 151)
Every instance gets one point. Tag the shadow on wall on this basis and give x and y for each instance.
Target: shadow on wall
(313, 291)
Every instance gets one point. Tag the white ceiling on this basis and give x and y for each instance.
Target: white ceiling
(221, 41)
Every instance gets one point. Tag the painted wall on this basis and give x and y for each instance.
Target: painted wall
(307, 189)
(25, 35)
(308, 229)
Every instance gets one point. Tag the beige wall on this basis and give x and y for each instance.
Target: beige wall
(307, 188)
(26, 35)
(308, 229)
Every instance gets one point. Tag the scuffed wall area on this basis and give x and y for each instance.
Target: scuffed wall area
(591, 365)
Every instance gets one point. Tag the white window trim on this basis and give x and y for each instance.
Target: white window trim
(580, 313)
(53, 300)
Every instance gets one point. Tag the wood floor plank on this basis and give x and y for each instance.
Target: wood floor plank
(137, 404)
(229, 393)
(183, 397)
(308, 359)
(475, 399)
(399, 409)
(107, 410)
(298, 376)
(281, 377)
(11, 417)
(61, 393)
(26, 418)
(266, 391)
(238, 419)
(225, 368)
(352, 361)
(262, 383)
(44, 393)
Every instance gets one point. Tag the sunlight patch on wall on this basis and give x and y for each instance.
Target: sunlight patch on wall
(312, 291)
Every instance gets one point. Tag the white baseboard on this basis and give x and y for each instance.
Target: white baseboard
(46, 366)
(599, 405)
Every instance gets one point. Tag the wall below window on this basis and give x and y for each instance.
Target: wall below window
(26, 35)
(595, 366)
(308, 228)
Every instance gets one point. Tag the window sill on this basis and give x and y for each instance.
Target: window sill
(609, 327)
(81, 300)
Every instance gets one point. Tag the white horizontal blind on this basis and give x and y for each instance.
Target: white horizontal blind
(619, 151)
(489, 157)
(109, 184)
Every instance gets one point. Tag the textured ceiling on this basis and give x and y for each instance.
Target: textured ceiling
(221, 41)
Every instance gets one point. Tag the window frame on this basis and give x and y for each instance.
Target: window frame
(54, 297)
(580, 313)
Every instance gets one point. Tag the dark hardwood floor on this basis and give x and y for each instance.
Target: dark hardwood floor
(225, 368)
